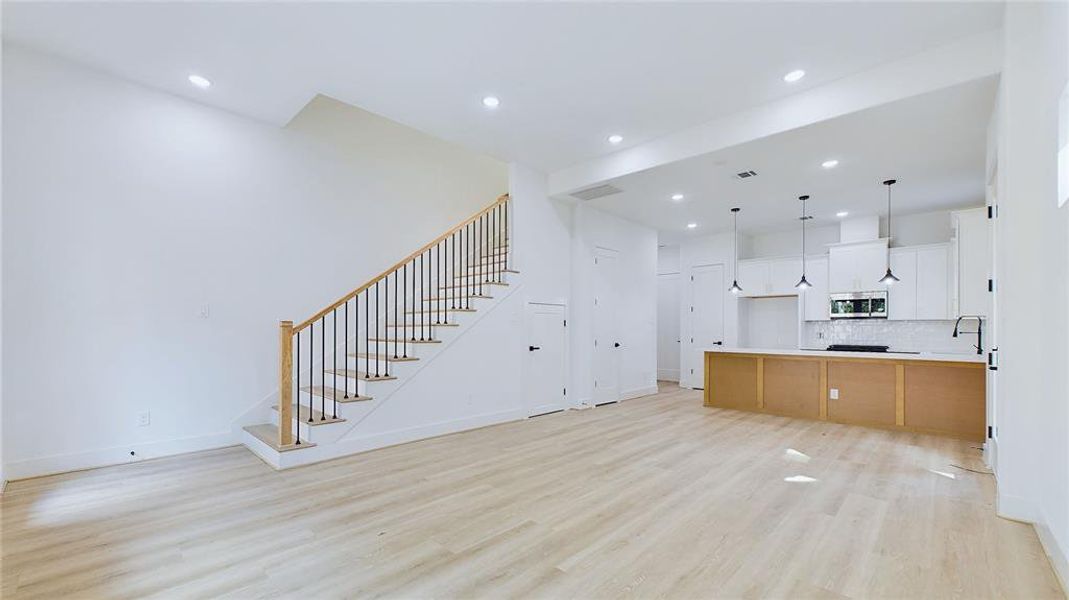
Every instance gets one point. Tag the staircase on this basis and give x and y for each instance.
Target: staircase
(340, 361)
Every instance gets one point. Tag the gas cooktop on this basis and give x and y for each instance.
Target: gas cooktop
(856, 348)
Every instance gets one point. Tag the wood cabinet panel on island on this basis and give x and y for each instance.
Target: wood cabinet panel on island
(942, 397)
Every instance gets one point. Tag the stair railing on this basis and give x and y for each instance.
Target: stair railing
(460, 262)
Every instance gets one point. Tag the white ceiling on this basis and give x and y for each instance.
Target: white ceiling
(933, 144)
(568, 75)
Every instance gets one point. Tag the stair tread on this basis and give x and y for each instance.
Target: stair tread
(385, 357)
(268, 434)
(416, 325)
(456, 286)
(403, 340)
(302, 416)
(443, 309)
(354, 374)
(329, 393)
(451, 298)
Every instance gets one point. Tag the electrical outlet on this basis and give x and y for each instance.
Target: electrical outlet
(144, 419)
(833, 393)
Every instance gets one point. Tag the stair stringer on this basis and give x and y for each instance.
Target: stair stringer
(464, 365)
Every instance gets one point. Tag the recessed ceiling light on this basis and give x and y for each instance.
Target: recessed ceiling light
(615, 139)
(830, 164)
(491, 102)
(691, 225)
(200, 82)
(841, 213)
(677, 197)
(794, 75)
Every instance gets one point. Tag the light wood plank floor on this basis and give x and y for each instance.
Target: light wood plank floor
(654, 497)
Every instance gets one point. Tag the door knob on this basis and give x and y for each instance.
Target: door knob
(616, 344)
(533, 348)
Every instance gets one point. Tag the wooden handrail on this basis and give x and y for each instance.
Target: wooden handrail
(301, 326)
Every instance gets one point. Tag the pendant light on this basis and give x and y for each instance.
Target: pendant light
(889, 277)
(803, 284)
(735, 288)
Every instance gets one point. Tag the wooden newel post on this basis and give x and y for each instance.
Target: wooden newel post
(285, 383)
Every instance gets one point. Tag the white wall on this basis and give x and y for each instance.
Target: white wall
(1032, 260)
(769, 322)
(637, 306)
(667, 259)
(706, 250)
(128, 210)
(787, 243)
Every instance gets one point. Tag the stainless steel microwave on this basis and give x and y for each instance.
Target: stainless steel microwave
(859, 305)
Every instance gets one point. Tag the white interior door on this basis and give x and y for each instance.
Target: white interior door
(668, 333)
(606, 327)
(545, 373)
(707, 316)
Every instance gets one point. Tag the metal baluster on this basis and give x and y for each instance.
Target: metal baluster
(422, 294)
(367, 332)
(469, 284)
(506, 257)
(486, 250)
(395, 312)
(415, 295)
(298, 428)
(376, 329)
(322, 365)
(445, 299)
(345, 381)
(334, 358)
(311, 371)
(437, 297)
(404, 291)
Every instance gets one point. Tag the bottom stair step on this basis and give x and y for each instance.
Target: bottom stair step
(268, 434)
(317, 416)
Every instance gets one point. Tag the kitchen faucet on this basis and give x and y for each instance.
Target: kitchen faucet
(979, 331)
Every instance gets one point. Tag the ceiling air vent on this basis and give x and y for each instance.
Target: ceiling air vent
(597, 192)
(746, 175)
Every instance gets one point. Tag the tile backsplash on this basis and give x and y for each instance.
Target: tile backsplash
(914, 336)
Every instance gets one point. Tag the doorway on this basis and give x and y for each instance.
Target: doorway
(606, 326)
(668, 333)
(706, 323)
(546, 368)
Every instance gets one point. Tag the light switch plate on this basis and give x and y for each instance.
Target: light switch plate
(833, 393)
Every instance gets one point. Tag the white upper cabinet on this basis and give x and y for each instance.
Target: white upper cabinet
(933, 282)
(902, 296)
(815, 300)
(972, 258)
(922, 292)
(769, 277)
(753, 277)
(857, 267)
(784, 273)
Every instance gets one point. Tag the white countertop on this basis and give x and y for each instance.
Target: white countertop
(892, 355)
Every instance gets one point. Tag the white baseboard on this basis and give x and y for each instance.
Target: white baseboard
(638, 392)
(668, 374)
(348, 447)
(118, 455)
(1059, 557)
(1014, 507)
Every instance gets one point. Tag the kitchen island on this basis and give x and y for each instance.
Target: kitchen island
(942, 394)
